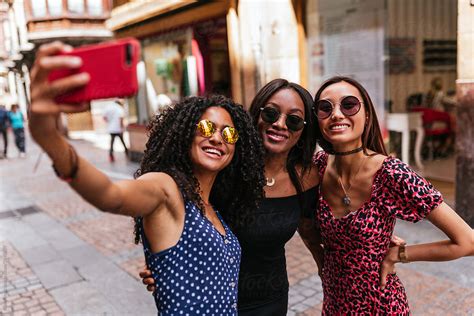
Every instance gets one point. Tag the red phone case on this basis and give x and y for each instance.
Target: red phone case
(112, 70)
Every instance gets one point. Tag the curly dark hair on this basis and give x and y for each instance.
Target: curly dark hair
(302, 153)
(237, 187)
(372, 136)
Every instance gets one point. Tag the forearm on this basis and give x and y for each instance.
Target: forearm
(438, 251)
(312, 240)
(94, 186)
(316, 250)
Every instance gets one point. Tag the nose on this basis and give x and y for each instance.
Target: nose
(216, 137)
(336, 113)
(281, 122)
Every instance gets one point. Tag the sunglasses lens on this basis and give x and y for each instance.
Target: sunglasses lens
(294, 122)
(350, 106)
(324, 109)
(270, 115)
(206, 128)
(230, 135)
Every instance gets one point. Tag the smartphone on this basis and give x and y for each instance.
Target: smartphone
(112, 67)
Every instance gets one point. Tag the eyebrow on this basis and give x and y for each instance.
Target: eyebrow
(278, 106)
(223, 125)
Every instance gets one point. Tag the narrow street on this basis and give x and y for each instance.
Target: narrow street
(59, 255)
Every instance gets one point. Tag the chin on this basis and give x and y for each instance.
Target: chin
(277, 148)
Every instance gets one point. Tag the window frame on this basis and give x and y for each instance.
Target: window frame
(66, 14)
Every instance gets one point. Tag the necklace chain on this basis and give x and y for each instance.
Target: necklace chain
(346, 200)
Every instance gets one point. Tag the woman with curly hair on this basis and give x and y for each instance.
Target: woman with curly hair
(281, 112)
(203, 155)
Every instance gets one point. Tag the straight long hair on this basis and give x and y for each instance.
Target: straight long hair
(371, 136)
(301, 154)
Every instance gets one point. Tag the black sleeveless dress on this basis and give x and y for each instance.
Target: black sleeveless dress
(263, 279)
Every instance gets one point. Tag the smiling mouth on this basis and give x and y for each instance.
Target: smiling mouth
(339, 127)
(276, 137)
(214, 152)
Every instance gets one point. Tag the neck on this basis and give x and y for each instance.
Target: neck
(274, 164)
(206, 181)
(346, 166)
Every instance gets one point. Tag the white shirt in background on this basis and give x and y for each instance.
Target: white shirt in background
(113, 115)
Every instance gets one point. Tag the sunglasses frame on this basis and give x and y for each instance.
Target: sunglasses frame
(333, 106)
(215, 129)
(279, 115)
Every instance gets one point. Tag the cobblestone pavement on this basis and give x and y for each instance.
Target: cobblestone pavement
(59, 255)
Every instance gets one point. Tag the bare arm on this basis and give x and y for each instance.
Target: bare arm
(130, 197)
(459, 244)
(311, 237)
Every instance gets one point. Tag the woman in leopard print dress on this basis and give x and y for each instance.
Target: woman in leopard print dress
(362, 193)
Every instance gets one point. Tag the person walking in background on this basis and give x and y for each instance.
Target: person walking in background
(17, 122)
(114, 115)
(3, 130)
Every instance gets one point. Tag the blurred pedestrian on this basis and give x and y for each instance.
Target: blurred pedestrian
(17, 122)
(114, 117)
(4, 122)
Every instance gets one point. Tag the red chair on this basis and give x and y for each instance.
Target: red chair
(437, 126)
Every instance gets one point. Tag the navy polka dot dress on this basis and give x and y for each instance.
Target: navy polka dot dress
(197, 276)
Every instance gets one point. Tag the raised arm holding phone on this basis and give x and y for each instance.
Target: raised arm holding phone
(203, 154)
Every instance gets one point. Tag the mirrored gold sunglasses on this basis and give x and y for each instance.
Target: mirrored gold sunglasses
(207, 128)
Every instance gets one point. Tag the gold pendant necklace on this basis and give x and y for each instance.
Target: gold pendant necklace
(270, 182)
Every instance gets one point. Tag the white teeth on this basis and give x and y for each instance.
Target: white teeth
(213, 151)
(276, 137)
(339, 127)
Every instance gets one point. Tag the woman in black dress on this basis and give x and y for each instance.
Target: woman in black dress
(282, 113)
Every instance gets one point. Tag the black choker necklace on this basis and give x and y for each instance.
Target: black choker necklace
(345, 153)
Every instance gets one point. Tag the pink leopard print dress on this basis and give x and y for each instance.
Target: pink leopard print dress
(355, 245)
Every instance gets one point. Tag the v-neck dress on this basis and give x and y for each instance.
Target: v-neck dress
(199, 275)
(355, 245)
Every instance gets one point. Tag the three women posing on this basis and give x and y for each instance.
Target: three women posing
(204, 155)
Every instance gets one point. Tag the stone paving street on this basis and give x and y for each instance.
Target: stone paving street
(60, 256)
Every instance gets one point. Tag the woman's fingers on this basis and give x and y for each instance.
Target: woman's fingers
(58, 62)
(52, 48)
(61, 86)
(74, 108)
(47, 50)
(148, 281)
(396, 241)
(151, 288)
(145, 273)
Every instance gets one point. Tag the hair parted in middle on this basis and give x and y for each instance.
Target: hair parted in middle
(301, 154)
(237, 187)
(372, 136)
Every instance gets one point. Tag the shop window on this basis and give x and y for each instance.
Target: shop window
(76, 6)
(38, 8)
(55, 7)
(95, 7)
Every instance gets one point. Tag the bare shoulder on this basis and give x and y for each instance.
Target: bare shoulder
(375, 160)
(161, 183)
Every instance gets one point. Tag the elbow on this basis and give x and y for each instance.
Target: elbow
(466, 247)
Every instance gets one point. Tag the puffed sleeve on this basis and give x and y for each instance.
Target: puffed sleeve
(411, 197)
(320, 159)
